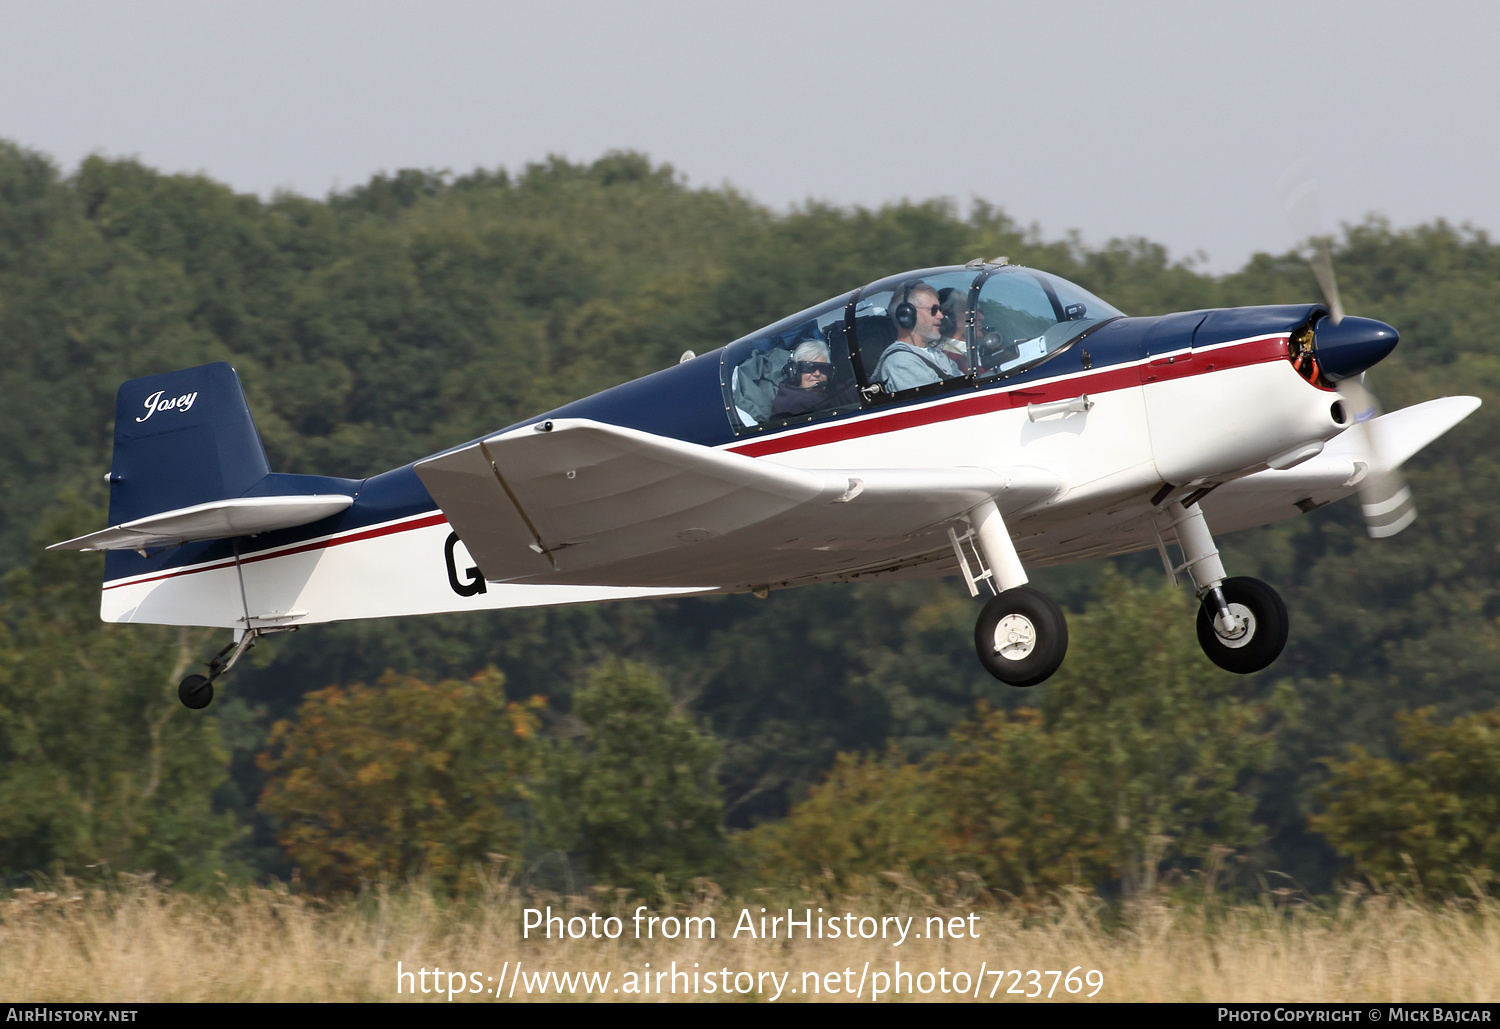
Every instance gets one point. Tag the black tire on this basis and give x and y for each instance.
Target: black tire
(1262, 644)
(196, 692)
(1021, 663)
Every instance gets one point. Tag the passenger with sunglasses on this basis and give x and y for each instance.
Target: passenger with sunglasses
(915, 359)
(806, 384)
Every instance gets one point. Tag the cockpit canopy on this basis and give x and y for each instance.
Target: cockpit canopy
(910, 335)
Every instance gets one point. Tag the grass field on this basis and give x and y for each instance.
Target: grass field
(139, 942)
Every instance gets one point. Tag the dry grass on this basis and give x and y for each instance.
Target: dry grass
(138, 942)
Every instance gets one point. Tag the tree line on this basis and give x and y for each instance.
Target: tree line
(421, 309)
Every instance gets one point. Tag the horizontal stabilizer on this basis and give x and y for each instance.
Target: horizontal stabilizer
(577, 500)
(219, 519)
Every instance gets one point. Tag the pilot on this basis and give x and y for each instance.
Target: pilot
(915, 358)
(806, 385)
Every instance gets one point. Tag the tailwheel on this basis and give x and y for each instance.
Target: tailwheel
(196, 692)
(1021, 637)
(1253, 637)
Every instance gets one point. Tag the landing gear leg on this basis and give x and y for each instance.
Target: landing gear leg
(1021, 636)
(197, 691)
(1242, 622)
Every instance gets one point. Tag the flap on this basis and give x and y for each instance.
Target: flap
(219, 519)
(574, 500)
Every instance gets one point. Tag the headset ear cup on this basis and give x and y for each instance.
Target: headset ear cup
(906, 315)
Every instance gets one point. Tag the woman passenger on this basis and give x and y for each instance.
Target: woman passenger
(805, 387)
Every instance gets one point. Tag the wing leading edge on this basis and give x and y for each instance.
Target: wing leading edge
(577, 501)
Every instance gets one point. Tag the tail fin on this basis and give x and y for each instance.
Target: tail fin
(186, 455)
(182, 438)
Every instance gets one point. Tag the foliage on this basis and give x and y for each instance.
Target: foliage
(1169, 739)
(100, 765)
(869, 816)
(401, 780)
(637, 797)
(1028, 810)
(419, 309)
(1435, 816)
(1140, 754)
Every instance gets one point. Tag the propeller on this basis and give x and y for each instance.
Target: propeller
(1345, 347)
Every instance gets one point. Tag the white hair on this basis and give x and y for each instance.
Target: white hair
(807, 348)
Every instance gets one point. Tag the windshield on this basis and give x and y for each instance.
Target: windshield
(1023, 315)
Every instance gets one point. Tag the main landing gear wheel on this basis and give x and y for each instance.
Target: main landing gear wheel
(1021, 637)
(196, 692)
(1264, 619)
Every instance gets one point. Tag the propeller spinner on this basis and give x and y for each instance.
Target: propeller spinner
(1345, 348)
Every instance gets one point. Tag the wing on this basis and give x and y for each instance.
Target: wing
(1337, 471)
(577, 501)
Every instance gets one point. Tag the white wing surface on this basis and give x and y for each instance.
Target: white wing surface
(219, 519)
(1336, 472)
(577, 501)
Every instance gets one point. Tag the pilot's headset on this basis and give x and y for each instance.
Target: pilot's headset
(902, 311)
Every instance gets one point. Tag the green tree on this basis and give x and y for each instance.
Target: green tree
(402, 779)
(1024, 804)
(1140, 754)
(1436, 814)
(1168, 740)
(100, 765)
(637, 797)
(869, 816)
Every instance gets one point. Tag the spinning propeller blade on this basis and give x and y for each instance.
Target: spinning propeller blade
(1387, 502)
(1299, 196)
(1383, 493)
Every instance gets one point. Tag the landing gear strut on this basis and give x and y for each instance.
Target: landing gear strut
(1242, 622)
(1021, 635)
(197, 691)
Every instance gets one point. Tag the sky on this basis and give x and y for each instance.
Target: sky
(1165, 120)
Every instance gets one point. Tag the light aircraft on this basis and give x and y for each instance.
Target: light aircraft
(979, 419)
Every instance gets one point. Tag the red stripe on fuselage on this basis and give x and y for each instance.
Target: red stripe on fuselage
(1186, 363)
(1106, 380)
(368, 534)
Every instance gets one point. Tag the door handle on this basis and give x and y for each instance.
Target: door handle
(1078, 405)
